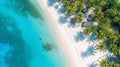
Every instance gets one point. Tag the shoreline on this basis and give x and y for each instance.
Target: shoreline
(68, 51)
(71, 50)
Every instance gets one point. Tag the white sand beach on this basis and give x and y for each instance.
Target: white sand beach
(74, 51)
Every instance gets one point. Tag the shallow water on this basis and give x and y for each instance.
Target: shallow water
(24, 28)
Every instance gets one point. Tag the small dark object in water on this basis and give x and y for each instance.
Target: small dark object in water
(40, 39)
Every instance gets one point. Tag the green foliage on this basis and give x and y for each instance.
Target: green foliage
(101, 47)
(87, 31)
(70, 10)
(80, 5)
(113, 64)
(72, 6)
(107, 63)
(80, 17)
(115, 49)
(100, 35)
(58, 0)
(107, 14)
(111, 13)
(94, 3)
(104, 63)
(98, 14)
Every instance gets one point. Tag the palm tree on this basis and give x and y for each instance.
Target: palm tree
(118, 52)
(75, 5)
(70, 10)
(99, 16)
(116, 19)
(65, 3)
(101, 2)
(100, 35)
(107, 14)
(107, 63)
(104, 63)
(87, 31)
(101, 47)
(113, 64)
(80, 17)
(113, 48)
(58, 0)
(80, 6)
(94, 28)
(111, 13)
(91, 3)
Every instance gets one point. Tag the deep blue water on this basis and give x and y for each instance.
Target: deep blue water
(24, 28)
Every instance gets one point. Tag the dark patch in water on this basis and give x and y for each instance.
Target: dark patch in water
(24, 7)
(40, 39)
(48, 47)
(19, 56)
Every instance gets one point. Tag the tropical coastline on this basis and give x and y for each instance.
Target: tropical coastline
(60, 33)
(71, 49)
(67, 50)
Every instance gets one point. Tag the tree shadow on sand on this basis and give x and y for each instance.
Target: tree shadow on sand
(62, 19)
(56, 7)
(92, 38)
(72, 24)
(61, 10)
(79, 37)
(92, 65)
(89, 52)
(112, 58)
(51, 2)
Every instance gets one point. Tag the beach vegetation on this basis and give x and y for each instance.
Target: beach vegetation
(104, 63)
(74, 7)
(107, 63)
(101, 47)
(87, 30)
(107, 15)
(80, 17)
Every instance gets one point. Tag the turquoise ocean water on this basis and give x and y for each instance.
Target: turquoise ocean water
(24, 28)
